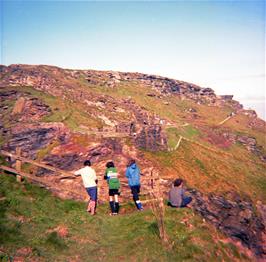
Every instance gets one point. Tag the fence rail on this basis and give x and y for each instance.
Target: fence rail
(149, 181)
(21, 159)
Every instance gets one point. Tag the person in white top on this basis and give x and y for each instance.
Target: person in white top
(89, 178)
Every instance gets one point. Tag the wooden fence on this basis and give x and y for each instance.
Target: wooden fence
(150, 181)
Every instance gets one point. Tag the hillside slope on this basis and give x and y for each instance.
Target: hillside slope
(61, 117)
(36, 226)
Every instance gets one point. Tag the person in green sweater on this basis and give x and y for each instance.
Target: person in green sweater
(111, 176)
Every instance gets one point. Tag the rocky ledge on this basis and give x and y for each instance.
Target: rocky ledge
(33, 137)
(237, 218)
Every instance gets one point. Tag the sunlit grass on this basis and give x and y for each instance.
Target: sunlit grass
(30, 217)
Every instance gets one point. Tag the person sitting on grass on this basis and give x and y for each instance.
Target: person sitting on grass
(177, 196)
(90, 183)
(111, 176)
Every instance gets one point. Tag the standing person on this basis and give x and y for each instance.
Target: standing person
(90, 183)
(177, 196)
(133, 176)
(111, 176)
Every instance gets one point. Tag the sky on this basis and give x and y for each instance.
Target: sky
(216, 44)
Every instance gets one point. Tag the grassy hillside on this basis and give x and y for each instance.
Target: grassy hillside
(233, 168)
(212, 158)
(34, 225)
(214, 171)
(73, 115)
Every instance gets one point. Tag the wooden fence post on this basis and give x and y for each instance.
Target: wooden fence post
(151, 179)
(18, 164)
(158, 208)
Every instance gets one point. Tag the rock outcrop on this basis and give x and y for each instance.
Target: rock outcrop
(40, 78)
(248, 142)
(21, 116)
(236, 217)
(151, 138)
(33, 137)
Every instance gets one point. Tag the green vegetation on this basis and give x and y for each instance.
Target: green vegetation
(214, 172)
(200, 164)
(173, 134)
(7, 115)
(46, 150)
(165, 107)
(72, 114)
(57, 230)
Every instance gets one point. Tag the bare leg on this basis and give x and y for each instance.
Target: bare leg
(89, 206)
(92, 206)
(116, 198)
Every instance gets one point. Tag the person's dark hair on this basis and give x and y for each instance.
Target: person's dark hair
(178, 182)
(87, 163)
(131, 162)
(110, 164)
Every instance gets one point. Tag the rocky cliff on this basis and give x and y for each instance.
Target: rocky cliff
(62, 117)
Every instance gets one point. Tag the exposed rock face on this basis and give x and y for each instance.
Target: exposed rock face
(250, 113)
(31, 138)
(227, 97)
(236, 218)
(151, 138)
(19, 106)
(27, 75)
(34, 110)
(39, 77)
(163, 84)
(30, 109)
(57, 82)
(128, 128)
(247, 141)
(69, 158)
(25, 108)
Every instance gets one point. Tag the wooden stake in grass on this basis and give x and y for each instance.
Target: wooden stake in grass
(18, 164)
(158, 208)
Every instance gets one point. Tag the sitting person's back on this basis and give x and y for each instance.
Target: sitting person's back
(177, 196)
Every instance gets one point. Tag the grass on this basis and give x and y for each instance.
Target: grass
(139, 93)
(173, 134)
(46, 150)
(30, 217)
(71, 114)
(213, 172)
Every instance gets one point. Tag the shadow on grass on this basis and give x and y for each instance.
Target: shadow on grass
(55, 241)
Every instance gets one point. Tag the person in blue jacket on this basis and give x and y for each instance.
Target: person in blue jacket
(133, 176)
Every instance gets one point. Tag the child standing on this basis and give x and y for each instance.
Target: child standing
(90, 183)
(133, 176)
(111, 176)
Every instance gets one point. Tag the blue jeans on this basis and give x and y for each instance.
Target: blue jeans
(92, 192)
(186, 201)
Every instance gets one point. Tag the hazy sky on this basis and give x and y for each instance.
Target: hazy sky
(217, 44)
